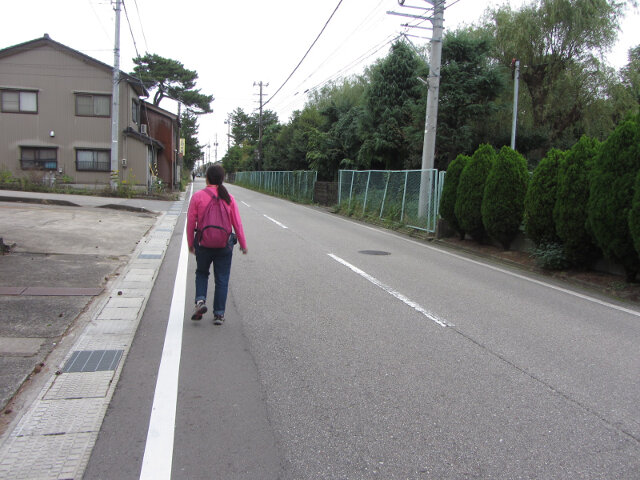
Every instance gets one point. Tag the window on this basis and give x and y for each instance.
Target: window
(38, 158)
(19, 101)
(93, 105)
(93, 160)
(135, 112)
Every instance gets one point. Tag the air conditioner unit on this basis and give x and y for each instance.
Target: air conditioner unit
(144, 129)
(124, 162)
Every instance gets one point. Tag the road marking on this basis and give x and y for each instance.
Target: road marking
(275, 221)
(391, 291)
(158, 452)
(443, 250)
(245, 203)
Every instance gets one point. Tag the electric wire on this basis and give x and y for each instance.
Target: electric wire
(305, 55)
(361, 25)
(126, 14)
(146, 45)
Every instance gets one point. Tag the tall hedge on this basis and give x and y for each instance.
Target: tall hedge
(504, 193)
(471, 191)
(449, 192)
(610, 195)
(634, 215)
(572, 196)
(541, 199)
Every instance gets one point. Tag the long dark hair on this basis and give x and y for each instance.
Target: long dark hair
(215, 176)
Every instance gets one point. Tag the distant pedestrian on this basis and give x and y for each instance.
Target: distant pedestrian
(220, 257)
(193, 176)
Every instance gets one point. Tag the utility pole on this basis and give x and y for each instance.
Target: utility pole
(516, 81)
(216, 149)
(433, 83)
(259, 166)
(227, 122)
(431, 120)
(115, 102)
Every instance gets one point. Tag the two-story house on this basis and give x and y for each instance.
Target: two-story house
(55, 119)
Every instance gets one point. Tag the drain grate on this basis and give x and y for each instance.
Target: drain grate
(374, 252)
(93, 361)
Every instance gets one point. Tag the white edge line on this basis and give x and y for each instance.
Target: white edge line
(245, 203)
(158, 452)
(275, 221)
(443, 250)
(390, 291)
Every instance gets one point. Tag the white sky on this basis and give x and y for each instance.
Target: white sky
(234, 43)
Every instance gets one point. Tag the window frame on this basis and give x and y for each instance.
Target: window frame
(19, 91)
(38, 163)
(135, 112)
(94, 161)
(93, 97)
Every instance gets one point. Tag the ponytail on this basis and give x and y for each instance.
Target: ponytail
(215, 176)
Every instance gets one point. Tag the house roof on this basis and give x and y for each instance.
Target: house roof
(161, 111)
(47, 41)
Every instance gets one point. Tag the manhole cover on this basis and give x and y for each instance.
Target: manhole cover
(374, 252)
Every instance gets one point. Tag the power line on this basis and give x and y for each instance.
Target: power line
(305, 55)
(126, 14)
(146, 45)
(367, 19)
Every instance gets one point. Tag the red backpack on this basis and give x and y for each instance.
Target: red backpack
(216, 224)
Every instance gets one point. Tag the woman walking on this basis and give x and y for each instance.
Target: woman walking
(205, 256)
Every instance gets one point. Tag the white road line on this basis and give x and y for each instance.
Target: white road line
(158, 452)
(389, 290)
(443, 250)
(245, 203)
(275, 221)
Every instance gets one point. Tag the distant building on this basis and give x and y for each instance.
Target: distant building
(55, 119)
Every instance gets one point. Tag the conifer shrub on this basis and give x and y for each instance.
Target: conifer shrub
(468, 208)
(449, 192)
(572, 196)
(504, 193)
(611, 183)
(634, 215)
(541, 200)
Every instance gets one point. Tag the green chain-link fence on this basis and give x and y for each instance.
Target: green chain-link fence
(411, 197)
(297, 185)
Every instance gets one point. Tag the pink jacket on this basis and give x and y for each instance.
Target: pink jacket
(195, 214)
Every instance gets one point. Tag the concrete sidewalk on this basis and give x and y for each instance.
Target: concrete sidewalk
(72, 291)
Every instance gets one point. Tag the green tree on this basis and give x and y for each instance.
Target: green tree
(541, 200)
(189, 131)
(170, 79)
(469, 87)
(450, 192)
(555, 41)
(572, 195)
(611, 191)
(503, 198)
(470, 193)
(389, 106)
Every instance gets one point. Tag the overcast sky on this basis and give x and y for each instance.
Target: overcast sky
(234, 43)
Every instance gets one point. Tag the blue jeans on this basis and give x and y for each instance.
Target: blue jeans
(221, 259)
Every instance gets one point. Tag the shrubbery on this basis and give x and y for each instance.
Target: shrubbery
(449, 192)
(504, 193)
(611, 192)
(572, 196)
(471, 191)
(541, 199)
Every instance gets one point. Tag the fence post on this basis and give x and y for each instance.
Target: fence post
(404, 194)
(351, 191)
(366, 193)
(384, 197)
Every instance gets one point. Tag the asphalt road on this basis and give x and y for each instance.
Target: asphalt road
(418, 363)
